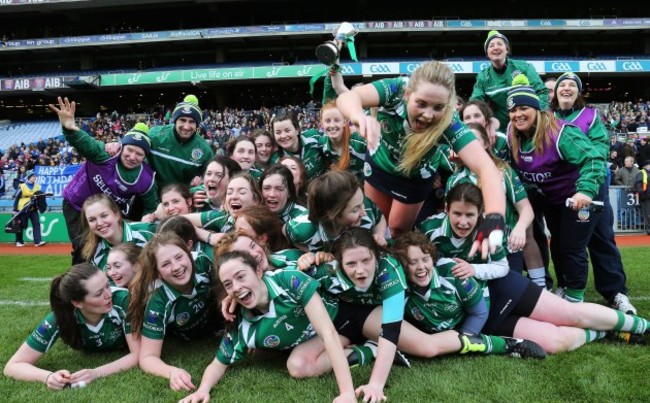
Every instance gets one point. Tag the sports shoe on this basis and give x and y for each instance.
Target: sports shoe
(622, 303)
(40, 243)
(522, 348)
(626, 337)
(20, 244)
(401, 360)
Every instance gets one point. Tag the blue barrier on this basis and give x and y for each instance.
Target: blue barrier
(628, 217)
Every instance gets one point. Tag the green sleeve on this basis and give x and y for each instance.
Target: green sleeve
(599, 136)
(44, 336)
(232, 348)
(470, 292)
(153, 325)
(86, 146)
(297, 284)
(578, 150)
(121, 301)
(214, 220)
(478, 92)
(390, 279)
(328, 91)
(458, 135)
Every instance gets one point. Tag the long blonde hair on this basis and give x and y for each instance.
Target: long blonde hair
(417, 145)
(546, 123)
(91, 239)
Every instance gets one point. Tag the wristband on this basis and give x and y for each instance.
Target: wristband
(207, 238)
(48, 377)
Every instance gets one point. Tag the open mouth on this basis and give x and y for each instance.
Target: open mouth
(245, 298)
(180, 273)
(272, 204)
(234, 206)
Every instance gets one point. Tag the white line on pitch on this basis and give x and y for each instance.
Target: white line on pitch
(35, 279)
(23, 303)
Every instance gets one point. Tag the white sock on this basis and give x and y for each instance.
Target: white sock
(538, 276)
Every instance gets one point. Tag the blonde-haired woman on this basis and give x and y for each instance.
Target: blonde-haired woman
(416, 115)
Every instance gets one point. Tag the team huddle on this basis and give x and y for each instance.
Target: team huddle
(315, 242)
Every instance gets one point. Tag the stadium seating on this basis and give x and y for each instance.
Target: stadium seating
(28, 132)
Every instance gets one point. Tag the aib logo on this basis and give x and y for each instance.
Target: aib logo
(632, 66)
(561, 67)
(596, 66)
(379, 68)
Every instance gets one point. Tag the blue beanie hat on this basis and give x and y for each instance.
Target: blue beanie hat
(522, 94)
(138, 136)
(29, 174)
(493, 35)
(569, 76)
(189, 108)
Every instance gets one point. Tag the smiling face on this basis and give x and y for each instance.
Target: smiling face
(215, 181)
(472, 114)
(275, 193)
(132, 156)
(246, 244)
(239, 195)
(286, 135)
(567, 93)
(244, 284)
(359, 265)
(523, 118)
(244, 154)
(419, 266)
(185, 127)
(333, 123)
(104, 222)
(497, 51)
(175, 267)
(463, 218)
(264, 146)
(174, 204)
(98, 299)
(119, 268)
(354, 211)
(426, 105)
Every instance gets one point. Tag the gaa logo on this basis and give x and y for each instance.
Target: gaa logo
(271, 341)
(515, 74)
(456, 68)
(511, 103)
(596, 66)
(632, 66)
(346, 69)
(561, 67)
(379, 68)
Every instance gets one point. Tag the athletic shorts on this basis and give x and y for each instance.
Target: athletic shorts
(404, 190)
(350, 319)
(511, 297)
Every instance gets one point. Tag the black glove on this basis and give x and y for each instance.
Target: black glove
(491, 222)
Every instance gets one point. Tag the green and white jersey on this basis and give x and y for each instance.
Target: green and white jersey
(441, 161)
(444, 304)
(174, 161)
(438, 229)
(292, 210)
(107, 335)
(308, 152)
(207, 206)
(256, 172)
(184, 315)
(284, 326)
(217, 220)
(393, 118)
(301, 231)
(492, 87)
(389, 280)
(138, 233)
(358, 148)
(285, 259)
(514, 190)
(500, 149)
(203, 256)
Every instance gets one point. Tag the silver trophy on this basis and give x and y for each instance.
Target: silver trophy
(329, 52)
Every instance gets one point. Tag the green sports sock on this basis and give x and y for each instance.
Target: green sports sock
(574, 295)
(630, 323)
(475, 344)
(364, 353)
(496, 344)
(593, 335)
